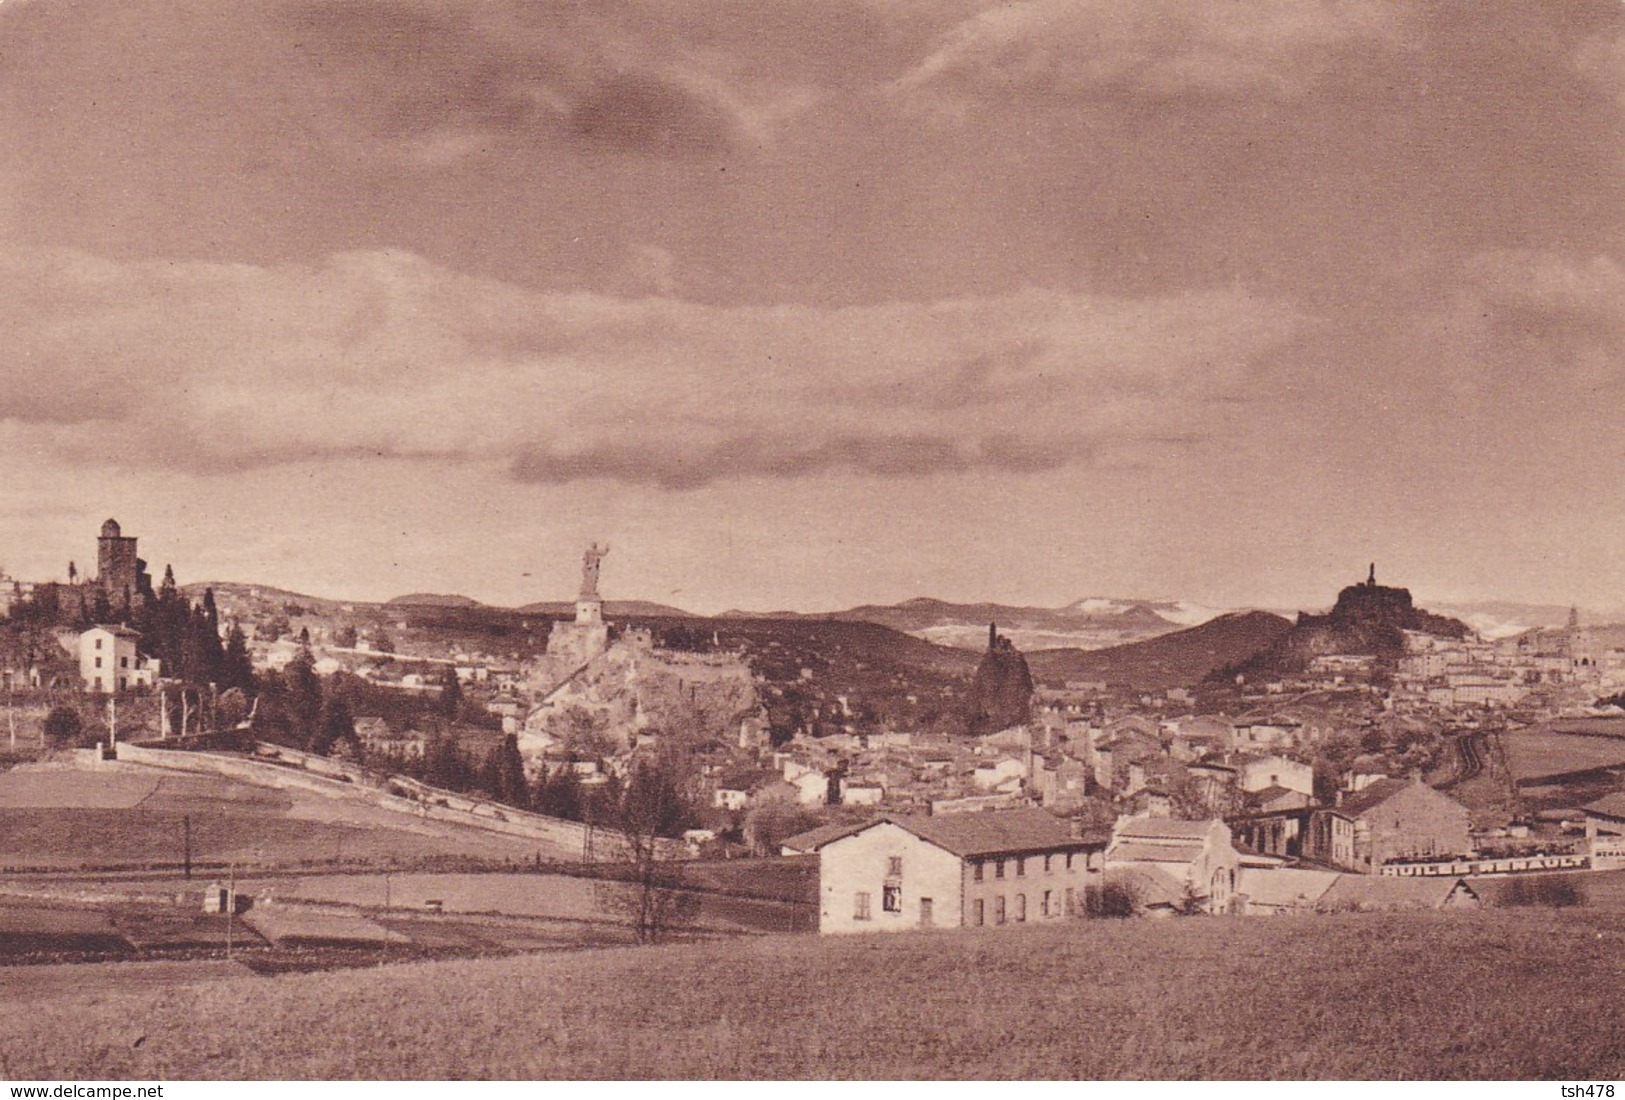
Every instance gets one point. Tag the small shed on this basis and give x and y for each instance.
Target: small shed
(217, 898)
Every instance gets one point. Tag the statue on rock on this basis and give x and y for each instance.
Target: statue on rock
(590, 562)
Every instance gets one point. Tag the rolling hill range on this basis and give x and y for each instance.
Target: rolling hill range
(1093, 623)
(1178, 659)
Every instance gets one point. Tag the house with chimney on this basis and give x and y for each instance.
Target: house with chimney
(111, 661)
(994, 868)
(1400, 819)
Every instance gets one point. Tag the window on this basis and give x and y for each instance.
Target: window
(1071, 902)
(1069, 861)
(98, 643)
(860, 907)
(123, 662)
(998, 910)
(123, 683)
(98, 662)
(1047, 903)
(894, 867)
(1021, 907)
(98, 683)
(927, 918)
(891, 899)
(998, 869)
(976, 912)
(1046, 864)
(976, 871)
(1021, 867)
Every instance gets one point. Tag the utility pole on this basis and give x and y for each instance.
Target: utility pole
(231, 905)
(186, 856)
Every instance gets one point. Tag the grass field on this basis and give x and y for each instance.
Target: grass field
(531, 895)
(1600, 889)
(130, 815)
(1468, 995)
(1542, 751)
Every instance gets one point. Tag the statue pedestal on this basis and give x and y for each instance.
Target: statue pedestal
(589, 611)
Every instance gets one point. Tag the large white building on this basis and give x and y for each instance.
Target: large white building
(110, 660)
(902, 872)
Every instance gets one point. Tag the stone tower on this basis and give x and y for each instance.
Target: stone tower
(119, 572)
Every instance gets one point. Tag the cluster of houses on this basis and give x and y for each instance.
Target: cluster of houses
(1454, 673)
(896, 872)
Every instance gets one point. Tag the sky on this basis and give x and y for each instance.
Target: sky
(808, 305)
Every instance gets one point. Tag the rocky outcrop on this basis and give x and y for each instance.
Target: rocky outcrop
(1368, 619)
(1001, 693)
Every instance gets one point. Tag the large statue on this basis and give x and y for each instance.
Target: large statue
(589, 570)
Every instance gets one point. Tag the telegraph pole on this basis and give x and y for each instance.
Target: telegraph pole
(231, 906)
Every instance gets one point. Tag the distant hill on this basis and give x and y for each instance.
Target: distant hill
(1178, 659)
(613, 608)
(262, 596)
(432, 599)
(1092, 623)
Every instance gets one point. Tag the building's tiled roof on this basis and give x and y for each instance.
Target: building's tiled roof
(1371, 796)
(983, 833)
(1284, 886)
(1139, 852)
(1610, 806)
(117, 630)
(814, 839)
(1162, 828)
(1389, 892)
(994, 831)
(1152, 886)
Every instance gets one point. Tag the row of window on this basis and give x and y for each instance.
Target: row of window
(1048, 906)
(978, 867)
(123, 662)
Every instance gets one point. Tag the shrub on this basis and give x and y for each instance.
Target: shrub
(1552, 891)
(1112, 898)
(63, 725)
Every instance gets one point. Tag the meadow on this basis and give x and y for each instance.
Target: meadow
(1540, 752)
(1491, 994)
(130, 816)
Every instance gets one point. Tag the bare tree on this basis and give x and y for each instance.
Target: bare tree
(646, 820)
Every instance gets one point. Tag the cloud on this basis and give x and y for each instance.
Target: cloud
(1601, 58)
(1156, 48)
(1553, 315)
(434, 88)
(213, 368)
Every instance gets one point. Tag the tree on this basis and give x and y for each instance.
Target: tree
(382, 642)
(769, 824)
(334, 724)
(236, 667)
(344, 637)
(451, 693)
(63, 725)
(649, 812)
(558, 794)
(232, 709)
(303, 691)
(509, 774)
